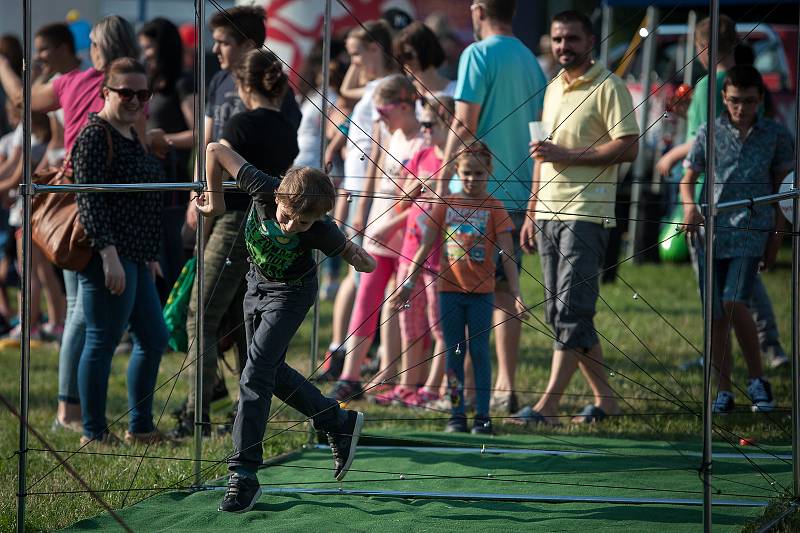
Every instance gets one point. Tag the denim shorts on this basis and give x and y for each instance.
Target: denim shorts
(734, 278)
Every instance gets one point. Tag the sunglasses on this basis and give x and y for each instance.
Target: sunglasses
(126, 95)
(408, 56)
(384, 110)
(427, 125)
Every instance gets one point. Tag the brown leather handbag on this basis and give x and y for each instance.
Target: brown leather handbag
(55, 223)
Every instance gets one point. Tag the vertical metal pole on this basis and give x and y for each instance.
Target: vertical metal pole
(796, 299)
(639, 170)
(200, 165)
(708, 277)
(605, 31)
(323, 109)
(688, 71)
(25, 349)
(142, 11)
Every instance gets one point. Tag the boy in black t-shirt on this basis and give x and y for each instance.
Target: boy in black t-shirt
(288, 220)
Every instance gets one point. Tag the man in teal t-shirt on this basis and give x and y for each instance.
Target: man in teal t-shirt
(500, 89)
(501, 77)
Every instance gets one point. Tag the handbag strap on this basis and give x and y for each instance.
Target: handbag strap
(109, 143)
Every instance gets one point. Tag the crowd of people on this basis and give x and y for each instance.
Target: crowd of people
(431, 175)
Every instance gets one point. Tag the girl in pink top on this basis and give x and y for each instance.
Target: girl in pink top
(420, 320)
(394, 101)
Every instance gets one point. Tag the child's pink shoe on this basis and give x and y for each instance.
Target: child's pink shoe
(424, 397)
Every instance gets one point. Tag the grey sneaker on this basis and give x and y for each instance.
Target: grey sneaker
(775, 357)
(724, 403)
(760, 392)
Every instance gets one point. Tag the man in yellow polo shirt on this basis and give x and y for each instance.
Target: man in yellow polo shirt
(590, 114)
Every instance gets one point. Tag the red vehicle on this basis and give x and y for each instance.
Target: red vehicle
(775, 50)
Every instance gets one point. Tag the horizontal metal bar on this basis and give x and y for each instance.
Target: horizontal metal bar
(484, 450)
(518, 451)
(125, 187)
(768, 199)
(478, 496)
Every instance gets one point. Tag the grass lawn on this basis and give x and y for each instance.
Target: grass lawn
(647, 326)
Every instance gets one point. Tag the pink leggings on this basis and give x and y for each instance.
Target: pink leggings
(369, 298)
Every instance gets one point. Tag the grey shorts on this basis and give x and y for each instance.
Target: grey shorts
(572, 255)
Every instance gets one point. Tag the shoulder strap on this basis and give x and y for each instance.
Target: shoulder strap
(109, 142)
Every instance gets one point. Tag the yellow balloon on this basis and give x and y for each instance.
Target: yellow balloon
(73, 15)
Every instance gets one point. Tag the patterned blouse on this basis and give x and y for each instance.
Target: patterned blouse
(745, 168)
(131, 221)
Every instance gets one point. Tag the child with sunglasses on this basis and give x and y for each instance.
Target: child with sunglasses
(472, 224)
(394, 101)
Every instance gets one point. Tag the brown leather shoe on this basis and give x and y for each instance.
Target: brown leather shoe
(107, 439)
(151, 437)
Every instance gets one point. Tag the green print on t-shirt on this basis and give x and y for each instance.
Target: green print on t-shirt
(272, 251)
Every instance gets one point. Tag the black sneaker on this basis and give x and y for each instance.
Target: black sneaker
(457, 424)
(482, 425)
(242, 494)
(345, 391)
(343, 443)
(333, 365)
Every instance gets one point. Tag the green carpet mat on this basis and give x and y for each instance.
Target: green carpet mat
(507, 466)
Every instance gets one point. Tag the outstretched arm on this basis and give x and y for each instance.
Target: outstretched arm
(358, 257)
(220, 161)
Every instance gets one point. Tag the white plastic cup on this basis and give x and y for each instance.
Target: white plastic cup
(538, 131)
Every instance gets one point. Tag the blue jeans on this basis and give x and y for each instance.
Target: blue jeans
(69, 355)
(473, 312)
(107, 316)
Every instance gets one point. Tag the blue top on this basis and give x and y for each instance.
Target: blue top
(502, 75)
(745, 168)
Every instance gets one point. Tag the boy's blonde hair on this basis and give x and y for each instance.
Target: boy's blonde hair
(479, 150)
(306, 191)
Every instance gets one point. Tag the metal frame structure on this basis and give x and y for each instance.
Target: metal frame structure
(28, 190)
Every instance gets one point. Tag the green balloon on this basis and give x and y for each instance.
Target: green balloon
(672, 246)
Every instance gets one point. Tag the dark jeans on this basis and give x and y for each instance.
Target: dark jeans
(462, 313)
(273, 313)
(224, 271)
(107, 316)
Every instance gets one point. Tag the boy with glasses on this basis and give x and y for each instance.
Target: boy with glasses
(753, 155)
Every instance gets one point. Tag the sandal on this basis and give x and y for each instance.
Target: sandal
(589, 415)
(528, 415)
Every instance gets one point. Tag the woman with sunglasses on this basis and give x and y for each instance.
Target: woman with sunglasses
(75, 93)
(117, 288)
(421, 55)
